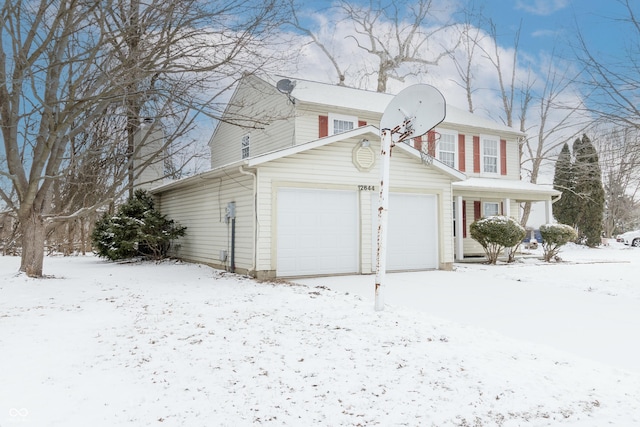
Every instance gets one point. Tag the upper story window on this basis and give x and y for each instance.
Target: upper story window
(246, 143)
(447, 149)
(339, 123)
(490, 154)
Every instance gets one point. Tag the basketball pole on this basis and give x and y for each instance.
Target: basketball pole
(383, 212)
(412, 112)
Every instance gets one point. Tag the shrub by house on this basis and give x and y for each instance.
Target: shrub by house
(495, 233)
(136, 229)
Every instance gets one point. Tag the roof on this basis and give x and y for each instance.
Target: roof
(358, 99)
(522, 190)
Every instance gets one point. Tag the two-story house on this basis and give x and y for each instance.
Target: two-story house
(294, 183)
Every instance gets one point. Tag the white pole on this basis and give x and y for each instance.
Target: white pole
(383, 211)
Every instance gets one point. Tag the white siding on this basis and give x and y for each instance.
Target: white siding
(307, 128)
(253, 105)
(331, 167)
(201, 207)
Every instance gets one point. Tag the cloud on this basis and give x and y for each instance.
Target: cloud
(545, 33)
(541, 7)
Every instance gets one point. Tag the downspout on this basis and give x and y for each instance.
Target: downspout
(255, 216)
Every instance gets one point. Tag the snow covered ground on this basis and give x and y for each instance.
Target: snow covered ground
(173, 344)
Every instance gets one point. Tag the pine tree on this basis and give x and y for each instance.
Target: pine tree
(590, 192)
(137, 229)
(564, 210)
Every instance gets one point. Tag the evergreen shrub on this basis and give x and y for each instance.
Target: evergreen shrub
(136, 229)
(495, 233)
(555, 236)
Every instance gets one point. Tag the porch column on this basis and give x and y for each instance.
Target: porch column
(506, 207)
(458, 244)
(548, 212)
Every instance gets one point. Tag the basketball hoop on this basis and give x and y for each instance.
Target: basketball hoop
(426, 158)
(428, 150)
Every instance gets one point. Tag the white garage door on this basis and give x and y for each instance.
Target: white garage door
(317, 232)
(412, 234)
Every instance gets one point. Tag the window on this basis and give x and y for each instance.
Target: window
(491, 209)
(447, 149)
(245, 146)
(490, 155)
(339, 124)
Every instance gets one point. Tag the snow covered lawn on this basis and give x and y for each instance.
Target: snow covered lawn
(172, 344)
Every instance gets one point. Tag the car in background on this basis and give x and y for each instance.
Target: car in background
(630, 238)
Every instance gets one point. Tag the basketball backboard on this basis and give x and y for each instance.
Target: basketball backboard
(414, 111)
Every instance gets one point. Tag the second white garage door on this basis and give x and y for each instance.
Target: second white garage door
(317, 232)
(412, 236)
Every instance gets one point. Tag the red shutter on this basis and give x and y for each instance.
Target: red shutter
(464, 218)
(417, 143)
(477, 210)
(461, 154)
(476, 154)
(431, 143)
(323, 125)
(361, 123)
(503, 157)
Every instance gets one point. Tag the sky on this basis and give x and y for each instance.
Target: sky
(548, 24)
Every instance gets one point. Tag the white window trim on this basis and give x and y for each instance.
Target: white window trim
(333, 117)
(482, 142)
(455, 145)
(484, 208)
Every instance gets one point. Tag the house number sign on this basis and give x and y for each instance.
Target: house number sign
(367, 187)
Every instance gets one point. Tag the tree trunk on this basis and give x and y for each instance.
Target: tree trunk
(83, 246)
(526, 212)
(33, 232)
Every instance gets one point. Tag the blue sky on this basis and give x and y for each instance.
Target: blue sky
(549, 24)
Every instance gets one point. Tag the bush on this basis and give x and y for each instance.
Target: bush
(137, 229)
(555, 236)
(495, 233)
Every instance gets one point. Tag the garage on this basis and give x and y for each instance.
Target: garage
(317, 232)
(412, 236)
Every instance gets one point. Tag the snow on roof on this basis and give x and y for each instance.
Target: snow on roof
(504, 186)
(358, 99)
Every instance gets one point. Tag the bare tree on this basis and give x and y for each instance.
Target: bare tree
(465, 58)
(614, 82)
(400, 35)
(556, 122)
(612, 79)
(317, 40)
(507, 83)
(619, 155)
(74, 62)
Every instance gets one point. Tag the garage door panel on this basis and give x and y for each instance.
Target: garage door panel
(317, 232)
(412, 234)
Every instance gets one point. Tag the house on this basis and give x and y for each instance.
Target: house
(294, 181)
